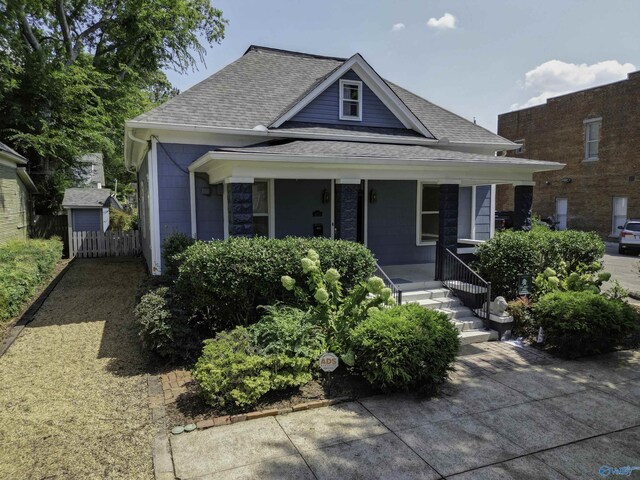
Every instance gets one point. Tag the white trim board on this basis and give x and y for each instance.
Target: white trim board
(192, 205)
(154, 210)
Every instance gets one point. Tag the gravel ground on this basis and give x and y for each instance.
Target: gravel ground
(73, 393)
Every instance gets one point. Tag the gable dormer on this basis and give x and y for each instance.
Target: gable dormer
(348, 101)
(352, 85)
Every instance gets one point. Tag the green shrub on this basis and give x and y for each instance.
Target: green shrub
(122, 221)
(288, 331)
(172, 249)
(225, 281)
(521, 309)
(233, 371)
(583, 323)
(405, 346)
(24, 265)
(166, 329)
(510, 253)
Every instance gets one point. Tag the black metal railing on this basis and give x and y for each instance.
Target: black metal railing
(395, 291)
(472, 290)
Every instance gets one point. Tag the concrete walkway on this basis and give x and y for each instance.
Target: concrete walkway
(507, 413)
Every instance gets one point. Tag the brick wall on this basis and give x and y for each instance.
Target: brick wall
(555, 131)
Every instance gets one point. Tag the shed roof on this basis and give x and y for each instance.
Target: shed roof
(86, 197)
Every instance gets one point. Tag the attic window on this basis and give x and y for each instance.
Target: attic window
(350, 100)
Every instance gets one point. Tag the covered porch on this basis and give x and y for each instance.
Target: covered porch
(398, 200)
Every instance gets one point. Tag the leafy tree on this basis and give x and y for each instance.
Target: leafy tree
(72, 72)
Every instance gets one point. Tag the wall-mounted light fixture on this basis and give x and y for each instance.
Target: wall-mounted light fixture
(373, 196)
(325, 196)
(567, 180)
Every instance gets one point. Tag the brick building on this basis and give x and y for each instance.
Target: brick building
(596, 133)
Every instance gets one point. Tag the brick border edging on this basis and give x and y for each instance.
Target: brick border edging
(27, 317)
(160, 446)
(229, 419)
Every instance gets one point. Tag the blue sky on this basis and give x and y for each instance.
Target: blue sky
(483, 58)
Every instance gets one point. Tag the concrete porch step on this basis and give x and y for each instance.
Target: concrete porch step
(455, 313)
(477, 336)
(438, 303)
(467, 324)
(412, 286)
(433, 293)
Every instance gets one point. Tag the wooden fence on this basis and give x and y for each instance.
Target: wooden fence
(47, 226)
(108, 244)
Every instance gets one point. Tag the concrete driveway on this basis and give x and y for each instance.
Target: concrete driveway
(624, 268)
(507, 413)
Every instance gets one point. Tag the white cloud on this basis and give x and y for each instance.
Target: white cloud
(445, 22)
(555, 77)
(397, 27)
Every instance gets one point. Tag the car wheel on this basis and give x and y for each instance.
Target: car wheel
(621, 250)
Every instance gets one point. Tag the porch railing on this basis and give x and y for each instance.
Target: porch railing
(472, 290)
(395, 291)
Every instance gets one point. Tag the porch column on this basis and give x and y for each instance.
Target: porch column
(346, 209)
(522, 201)
(240, 208)
(448, 228)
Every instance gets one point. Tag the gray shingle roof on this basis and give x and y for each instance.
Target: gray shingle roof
(328, 148)
(352, 130)
(264, 83)
(86, 197)
(5, 148)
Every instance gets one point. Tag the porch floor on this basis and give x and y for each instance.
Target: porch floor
(412, 276)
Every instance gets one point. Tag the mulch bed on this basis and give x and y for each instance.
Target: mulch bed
(184, 405)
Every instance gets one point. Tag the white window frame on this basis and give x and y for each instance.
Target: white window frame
(560, 200)
(344, 83)
(270, 206)
(520, 142)
(614, 225)
(419, 213)
(588, 140)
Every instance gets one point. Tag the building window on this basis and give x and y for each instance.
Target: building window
(428, 213)
(561, 213)
(592, 138)
(618, 215)
(350, 100)
(520, 142)
(260, 193)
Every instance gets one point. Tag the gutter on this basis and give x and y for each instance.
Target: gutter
(26, 179)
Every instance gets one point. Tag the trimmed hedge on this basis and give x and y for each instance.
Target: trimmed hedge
(405, 346)
(510, 253)
(24, 264)
(172, 249)
(226, 280)
(583, 323)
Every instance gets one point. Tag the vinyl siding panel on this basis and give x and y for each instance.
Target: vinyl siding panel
(392, 224)
(326, 109)
(14, 199)
(295, 203)
(483, 212)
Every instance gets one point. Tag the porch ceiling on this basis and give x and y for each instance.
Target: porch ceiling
(339, 160)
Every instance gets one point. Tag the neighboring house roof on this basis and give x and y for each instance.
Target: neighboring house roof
(86, 197)
(10, 154)
(337, 149)
(91, 169)
(263, 84)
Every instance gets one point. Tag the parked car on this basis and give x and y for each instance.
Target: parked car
(629, 237)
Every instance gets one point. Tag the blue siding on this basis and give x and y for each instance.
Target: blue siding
(295, 202)
(464, 212)
(209, 216)
(325, 108)
(483, 212)
(143, 211)
(392, 224)
(87, 220)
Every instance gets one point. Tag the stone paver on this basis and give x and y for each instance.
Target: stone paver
(601, 411)
(402, 411)
(535, 426)
(585, 459)
(458, 445)
(382, 456)
(327, 426)
(507, 413)
(523, 468)
(223, 448)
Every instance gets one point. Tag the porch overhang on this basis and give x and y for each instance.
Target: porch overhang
(425, 164)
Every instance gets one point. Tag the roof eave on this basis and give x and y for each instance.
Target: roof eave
(26, 179)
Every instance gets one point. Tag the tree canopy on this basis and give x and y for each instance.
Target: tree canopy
(72, 72)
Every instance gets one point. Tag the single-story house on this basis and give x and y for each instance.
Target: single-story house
(88, 209)
(16, 187)
(283, 143)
